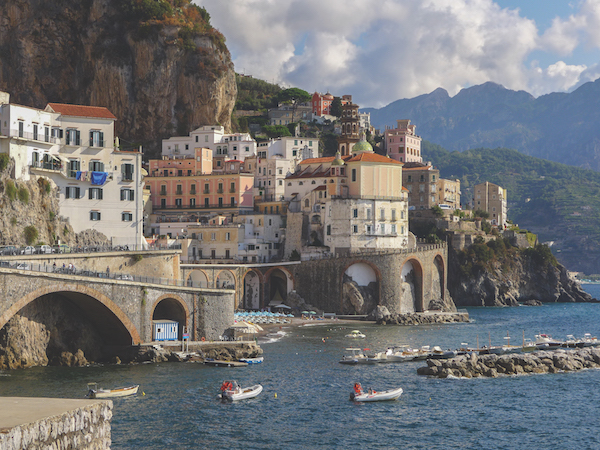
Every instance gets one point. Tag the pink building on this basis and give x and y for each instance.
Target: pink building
(402, 143)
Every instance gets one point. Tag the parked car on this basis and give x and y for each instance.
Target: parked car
(45, 249)
(29, 250)
(10, 250)
(124, 276)
(62, 248)
(23, 266)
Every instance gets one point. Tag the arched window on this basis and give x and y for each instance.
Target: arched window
(313, 182)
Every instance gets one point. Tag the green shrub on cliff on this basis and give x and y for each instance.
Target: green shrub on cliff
(11, 190)
(541, 254)
(31, 234)
(4, 160)
(24, 195)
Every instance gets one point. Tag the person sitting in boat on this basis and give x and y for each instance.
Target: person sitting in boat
(358, 389)
(227, 386)
(372, 391)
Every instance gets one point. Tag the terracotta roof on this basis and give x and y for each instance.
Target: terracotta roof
(81, 111)
(324, 159)
(404, 189)
(373, 157)
(320, 188)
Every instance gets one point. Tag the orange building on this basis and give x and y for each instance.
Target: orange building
(190, 187)
(321, 103)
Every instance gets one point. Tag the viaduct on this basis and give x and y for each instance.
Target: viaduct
(208, 294)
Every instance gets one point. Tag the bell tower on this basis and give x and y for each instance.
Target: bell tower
(350, 128)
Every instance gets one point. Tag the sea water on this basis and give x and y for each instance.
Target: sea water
(305, 402)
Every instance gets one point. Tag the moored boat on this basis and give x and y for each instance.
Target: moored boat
(252, 360)
(356, 334)
(372, 395)
(546, 342)
(356, 357)
(95, 392)
(231, 391)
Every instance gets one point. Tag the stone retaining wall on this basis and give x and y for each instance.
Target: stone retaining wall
(86, 427)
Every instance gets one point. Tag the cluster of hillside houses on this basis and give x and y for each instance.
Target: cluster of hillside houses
(227, 197)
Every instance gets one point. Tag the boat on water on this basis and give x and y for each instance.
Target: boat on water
(223, 363)
(95, 392)
(401, 353)
(572, 342)
(356, 334)
(252, 360)
(376, 358)
(232, 391)
(546, 342)
(372, 395)
(589, 340)
(528, 346)
(438, 353)
(356, 356)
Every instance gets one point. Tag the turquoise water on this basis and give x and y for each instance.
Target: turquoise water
(312, 410)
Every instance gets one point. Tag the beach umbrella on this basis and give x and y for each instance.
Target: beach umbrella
(305, 312)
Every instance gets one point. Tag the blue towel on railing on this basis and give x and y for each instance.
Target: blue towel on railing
(78, 175)
(99, 178)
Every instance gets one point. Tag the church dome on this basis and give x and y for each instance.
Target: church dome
(338, 161)
(362, 146)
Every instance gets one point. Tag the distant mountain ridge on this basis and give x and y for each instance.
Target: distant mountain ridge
(561, 127)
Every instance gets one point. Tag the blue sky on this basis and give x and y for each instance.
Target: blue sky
(383, 50)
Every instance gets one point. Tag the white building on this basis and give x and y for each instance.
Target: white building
(235, 146)
(99, 186)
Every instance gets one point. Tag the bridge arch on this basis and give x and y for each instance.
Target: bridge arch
(360, 287)
(253, 283)
(91, 298)
(279, 282)
(225, 278)
(438, 279)
(197, 278)
(411, 299)
(171, 307)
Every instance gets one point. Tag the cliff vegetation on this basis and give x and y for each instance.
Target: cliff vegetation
(158, 65)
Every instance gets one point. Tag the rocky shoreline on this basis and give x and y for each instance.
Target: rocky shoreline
(491, 366)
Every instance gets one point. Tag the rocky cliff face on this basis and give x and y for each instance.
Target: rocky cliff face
(157, 77)
(33, 204)
(507, 281)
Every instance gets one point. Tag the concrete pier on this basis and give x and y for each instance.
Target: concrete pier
(32, 423)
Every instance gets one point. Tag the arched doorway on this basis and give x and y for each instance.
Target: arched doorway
(198, 278)
(411, 299)
(251, 290)
(360, 289)
(170, 309)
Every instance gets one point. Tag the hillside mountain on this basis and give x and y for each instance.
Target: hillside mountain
(158, 66)
(559, 127)
(558, 202)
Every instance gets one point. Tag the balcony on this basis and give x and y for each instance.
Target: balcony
(178, 192)
(206, 191)
(220, 191)
(29, 136)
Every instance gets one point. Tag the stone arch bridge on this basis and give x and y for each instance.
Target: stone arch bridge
(402, 280)
(121, 310)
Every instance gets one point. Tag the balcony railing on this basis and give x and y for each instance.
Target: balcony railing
(31, 137)
(202, 206)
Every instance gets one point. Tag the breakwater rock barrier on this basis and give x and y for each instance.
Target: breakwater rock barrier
(383, 317)
(471, 365)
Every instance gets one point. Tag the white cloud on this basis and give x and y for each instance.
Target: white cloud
(382, 50)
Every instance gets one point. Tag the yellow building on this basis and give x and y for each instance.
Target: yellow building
(351, 203)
